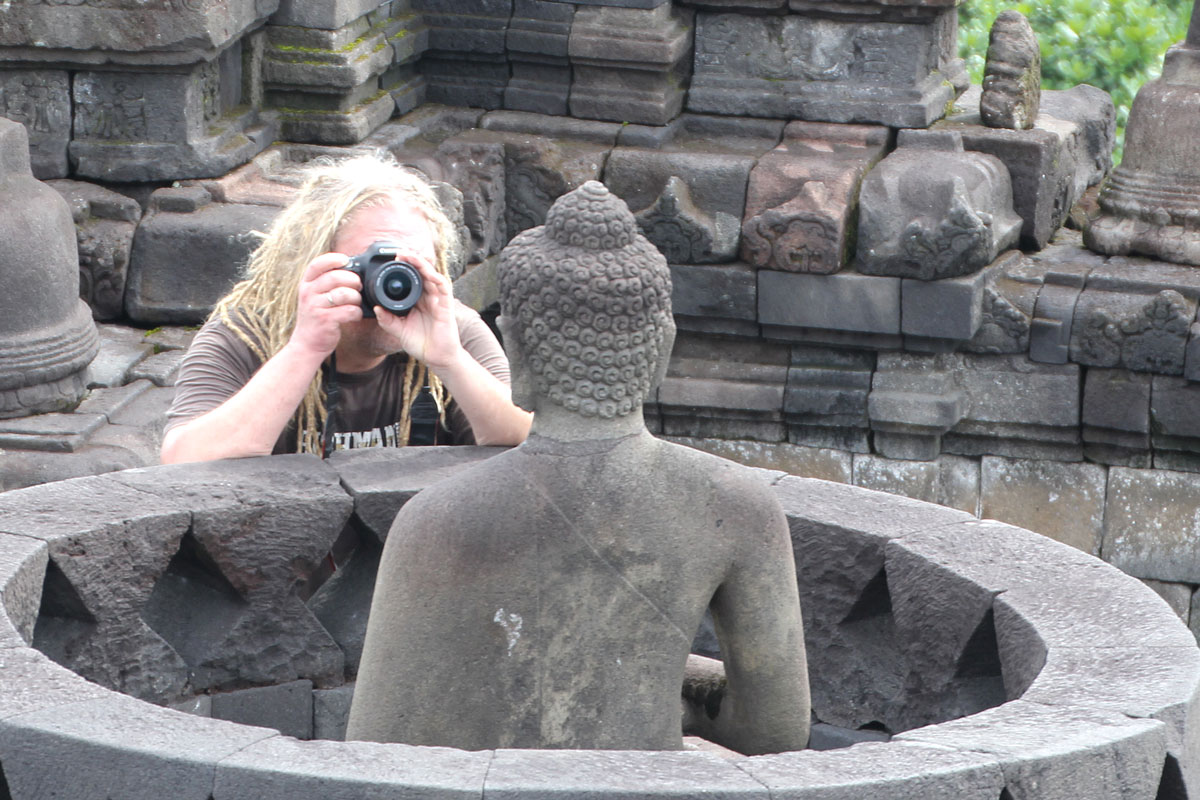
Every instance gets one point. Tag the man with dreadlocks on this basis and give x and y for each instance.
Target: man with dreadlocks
(288, 363)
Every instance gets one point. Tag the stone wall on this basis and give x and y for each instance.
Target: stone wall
(1075, 681)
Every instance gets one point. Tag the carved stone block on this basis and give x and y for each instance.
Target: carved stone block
(715, 298)
(802, 198)
(104, 225)
(466, 26)
(146, 126)
(825, 402)
(819, 67)
(1150, 206)
(216, 237)
(129, 32)
(914, 400)
(1012, 81)
(1063, 272)
(1135, 315)
(947, 309)
(325, 14)
(1007, 309)
(687, 203)
(537, 171)
(474, 163)
(931, 210)
(1174, 424)
(537, 40)
(845, 301)
(1116, 417)
(1091, 110)
(477, 80)
(630, 64)
(41, 100)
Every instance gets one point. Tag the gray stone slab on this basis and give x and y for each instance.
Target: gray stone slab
(838, 507)
(823, 736)
(728, 291)
(326, 15)
(1176, 595)
(110, 401)
(949, 481)
(381, 480)
(57, 433)
(1054, 752)
(842, 302)
(117, 747)
(21, 469)
(284, 769)
(821, 463)
(950, 308)
(903, 771)
(1151, 529)
(331, 712)
(160, 368)
(147, 411)
(120, 350)
(33, 683)
(1060, 500)
(286, 707)
(22, 569)
(633, 775)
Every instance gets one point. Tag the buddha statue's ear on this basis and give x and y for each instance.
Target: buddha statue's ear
(664, 354)
(522, 381)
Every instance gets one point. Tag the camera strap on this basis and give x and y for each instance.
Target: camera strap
(330, 385)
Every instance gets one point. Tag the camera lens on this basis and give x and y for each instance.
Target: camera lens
(397, 287)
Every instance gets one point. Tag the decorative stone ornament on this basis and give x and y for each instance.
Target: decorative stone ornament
(1151, 205)
(1012, 79)
(47, 338)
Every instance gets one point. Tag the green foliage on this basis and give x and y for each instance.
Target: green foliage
(1116, 45)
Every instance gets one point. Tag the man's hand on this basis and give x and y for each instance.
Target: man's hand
(429, 332)
(329, 296)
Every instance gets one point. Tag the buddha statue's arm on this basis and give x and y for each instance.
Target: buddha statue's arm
(765, 707)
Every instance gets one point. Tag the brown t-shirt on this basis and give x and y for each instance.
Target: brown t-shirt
(367, 408)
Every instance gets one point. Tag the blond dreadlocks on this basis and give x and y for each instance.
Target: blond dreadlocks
(261, 309)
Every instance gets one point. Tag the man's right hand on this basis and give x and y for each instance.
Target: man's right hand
(329, 297)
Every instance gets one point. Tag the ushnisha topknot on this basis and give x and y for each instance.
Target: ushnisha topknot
(591, 299)
(591, 217)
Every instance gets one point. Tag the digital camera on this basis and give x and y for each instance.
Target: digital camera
(386, 281)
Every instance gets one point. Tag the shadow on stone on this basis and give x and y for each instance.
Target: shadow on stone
(193, 606)
(342, 602)
(1170, 786)
(5, 794)
(63, 621)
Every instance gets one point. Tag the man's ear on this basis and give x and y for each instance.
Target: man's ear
(522, 382)
(664, 354)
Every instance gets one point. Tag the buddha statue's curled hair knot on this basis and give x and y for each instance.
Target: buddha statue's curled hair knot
(591, 299)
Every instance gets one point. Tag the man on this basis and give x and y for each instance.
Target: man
(288, 363)
(548, 596)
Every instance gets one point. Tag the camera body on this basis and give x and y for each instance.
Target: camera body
(386, 281)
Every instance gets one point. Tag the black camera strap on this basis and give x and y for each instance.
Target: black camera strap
(332, 390)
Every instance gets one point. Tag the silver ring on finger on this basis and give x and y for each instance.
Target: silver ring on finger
(329, 299)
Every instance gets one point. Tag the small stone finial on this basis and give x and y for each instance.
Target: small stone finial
(1012, 80)
(590, 298)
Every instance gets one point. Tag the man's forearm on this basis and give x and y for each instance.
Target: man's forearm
(250, 421)
(486, 400)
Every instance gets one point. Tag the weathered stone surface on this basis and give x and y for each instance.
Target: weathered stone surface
(22, 571)
(537, 171)
(824, 464)
(953, 308)
(118, 747)
(331, 708)
(1018, 409)
(878, 769)
(803, 196)
(540, 773)
(630, 64)
(474, 163)
(41, 101)
(47, 337)
(1176, 595)
(1174, 426)
(477, 80)
(280, 768)
(286, 707)
(918, 220)
(147, 126)
(536, 43)
(325, 15)
(1012, 80)
(249, 554)
(914, 400)
(1149, 206)
(1151, 529)
(1136, 316)
(825, 401)
(840, 302)
(947, 480)
(217, 240)
(1092, 111)
(715, 294)
(1116, 416)
(104, 225)
(121, 348)
(1060, 500)
(1063, 276)
(814, 67)
(687, 203)
(50, 432)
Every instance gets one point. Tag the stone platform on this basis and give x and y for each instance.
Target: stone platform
(1005, 664)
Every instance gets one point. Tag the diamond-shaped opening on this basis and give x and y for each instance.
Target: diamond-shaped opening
(1005, 794)
(193, 606)
(343, 601)
(981, 654)
(63, 620)
(1170, 785)
(875, 601)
